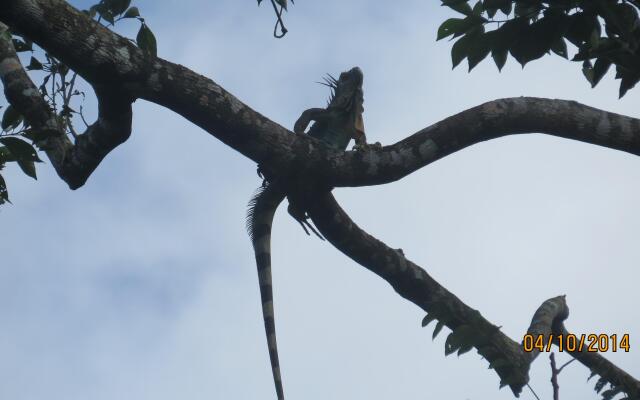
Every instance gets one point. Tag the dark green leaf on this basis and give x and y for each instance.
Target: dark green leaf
(610, 393)
(500, 57)
(477, 8)
(587, 71)
(451, 344)
(5, 156)
(107, 15)
(133, 12)
(28, 167)
(600, 384)
(620, 19)
(461, 6)
(427, 319)
(437, 329)
(449, 27)
(479, 47)
(506, 9)
(4, 194)
(496, 4)
(629, 80)
(458, 27)
(538, 39)
(34, 64)
(559, 46)
(20, 149)
(527, 9)
(146, 40)
(459, 50)
(282, 3)
(117, 7)
(465, 348)
(580, 27)
(21, 45)
(11, 118)
(600, 68)
(93, 10)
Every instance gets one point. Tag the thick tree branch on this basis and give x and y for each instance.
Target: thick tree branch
(494, 119)
(105, 58)
(413, 283)
(74, 163)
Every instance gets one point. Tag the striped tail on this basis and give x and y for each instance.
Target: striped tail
(262, 207)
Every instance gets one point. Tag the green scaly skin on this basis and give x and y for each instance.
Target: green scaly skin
(335, 125)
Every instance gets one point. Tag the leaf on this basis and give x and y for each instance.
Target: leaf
(506, 9)
(28, 167)
(451, 344)
(133, 12)
(580, 26)
(495, 4)
(459, 50)
(4, 193)
(34, 64)
(437, 329)
(282, 3)
(450, 27)
(629, 80)
(427, 319)
(538, 38)
(479, 47)
(117, 7)
(600, 68)
(587, 71)
(20, 149)
(146, 40)
(610, 393)
(499, 57)
(5, 156)
(11, 118)
(464, 349)
(461, 6)
(107, 15)
(602, 382)
(21, 45)
(559, 46)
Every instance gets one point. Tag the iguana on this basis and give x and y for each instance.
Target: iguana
(335, 125)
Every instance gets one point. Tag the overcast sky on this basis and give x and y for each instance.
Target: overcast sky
(142, 284)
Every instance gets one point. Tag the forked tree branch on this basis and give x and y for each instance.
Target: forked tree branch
(74, 162)
(410, 281)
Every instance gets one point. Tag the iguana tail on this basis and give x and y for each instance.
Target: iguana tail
(262, 207)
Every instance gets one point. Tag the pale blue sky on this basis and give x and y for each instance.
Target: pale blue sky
(142, 284)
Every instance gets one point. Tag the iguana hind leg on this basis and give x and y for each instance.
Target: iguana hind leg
(302, 219)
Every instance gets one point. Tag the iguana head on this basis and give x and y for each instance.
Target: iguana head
(347, 96)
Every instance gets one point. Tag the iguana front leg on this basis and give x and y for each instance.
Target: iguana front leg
(312, 114)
